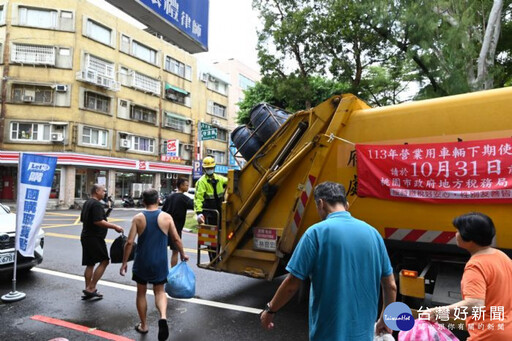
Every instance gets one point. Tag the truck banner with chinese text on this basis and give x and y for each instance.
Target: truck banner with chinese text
(35, 177)
(476, 171)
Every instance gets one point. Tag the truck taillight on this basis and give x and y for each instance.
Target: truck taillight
(410, 273)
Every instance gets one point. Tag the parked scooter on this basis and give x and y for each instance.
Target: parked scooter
(128, 201)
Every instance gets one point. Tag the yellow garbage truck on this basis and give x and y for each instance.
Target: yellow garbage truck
(409, 169)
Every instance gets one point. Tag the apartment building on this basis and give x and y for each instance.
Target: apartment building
(102, 95)
(241, 77)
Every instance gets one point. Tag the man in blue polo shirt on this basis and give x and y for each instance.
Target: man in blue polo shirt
(347, 263)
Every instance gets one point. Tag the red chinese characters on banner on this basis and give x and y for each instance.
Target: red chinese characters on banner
(476, 171)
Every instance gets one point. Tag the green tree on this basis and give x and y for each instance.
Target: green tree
(377, 47)
(452, 43)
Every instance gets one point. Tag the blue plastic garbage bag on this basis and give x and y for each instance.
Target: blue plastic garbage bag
(181, 281)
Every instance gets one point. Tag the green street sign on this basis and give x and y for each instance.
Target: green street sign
(207, 132)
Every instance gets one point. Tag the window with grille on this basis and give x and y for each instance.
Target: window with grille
(95, 137)
(217, 86)
(100, 66)
(220, 157)
(66, 20)
(175, 123)
(37, 17)
(222, 134)
(146, 83)
(33, 54)
(216, 109)
(98, 32)
(143, 114)
(177, 97)
(35, 94)
(23, 131)
(97, 102)
(125, 43)
(143, 52)
(143, 144)
(178, 68)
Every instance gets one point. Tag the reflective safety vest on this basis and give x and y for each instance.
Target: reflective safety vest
(205, 194)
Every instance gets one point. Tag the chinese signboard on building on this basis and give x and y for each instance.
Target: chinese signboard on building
(478, 171)
(183, 22)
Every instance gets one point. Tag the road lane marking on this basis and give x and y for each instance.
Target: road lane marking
(77, 221)
(80, 328)
(51, 226)
(62, 214)
(134, 289)
(108, 241)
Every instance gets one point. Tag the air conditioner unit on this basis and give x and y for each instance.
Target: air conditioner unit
(212, 79)
(61, 88)
(204, 77)
(188, 122)
(209, 151)
(125, 143)
(56, 137)
(28, 98)
(214, 121)
(189, 147)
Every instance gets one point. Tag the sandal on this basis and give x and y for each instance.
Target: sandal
(163, 330)
(88, 294)
(138, 330)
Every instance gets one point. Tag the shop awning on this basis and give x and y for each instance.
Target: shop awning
(175, 88)
(178, 116)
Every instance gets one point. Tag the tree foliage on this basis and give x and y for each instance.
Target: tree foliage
(374, 49)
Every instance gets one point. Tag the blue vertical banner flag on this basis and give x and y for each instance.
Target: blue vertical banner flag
(35, 178)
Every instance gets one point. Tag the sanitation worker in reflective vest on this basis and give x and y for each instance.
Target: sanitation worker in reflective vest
(209, 195)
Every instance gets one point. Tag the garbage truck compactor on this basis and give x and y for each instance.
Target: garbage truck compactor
(409, 169)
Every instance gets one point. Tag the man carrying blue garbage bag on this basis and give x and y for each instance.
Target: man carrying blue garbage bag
(151, 263)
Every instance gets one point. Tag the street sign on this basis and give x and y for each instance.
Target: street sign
(207, 132)
(197, 170)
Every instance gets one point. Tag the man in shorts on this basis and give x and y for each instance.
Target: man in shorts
(177, 205)
(94, 249)
(151, 264)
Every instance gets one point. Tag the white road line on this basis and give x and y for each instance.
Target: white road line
(134, 289)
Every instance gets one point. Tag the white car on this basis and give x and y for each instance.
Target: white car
(191, 193)
(7, 237)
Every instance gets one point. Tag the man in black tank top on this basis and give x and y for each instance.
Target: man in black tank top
(152, 227)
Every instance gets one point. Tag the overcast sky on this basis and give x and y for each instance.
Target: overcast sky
(232, 30)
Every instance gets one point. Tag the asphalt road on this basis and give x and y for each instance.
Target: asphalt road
(225, 307)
